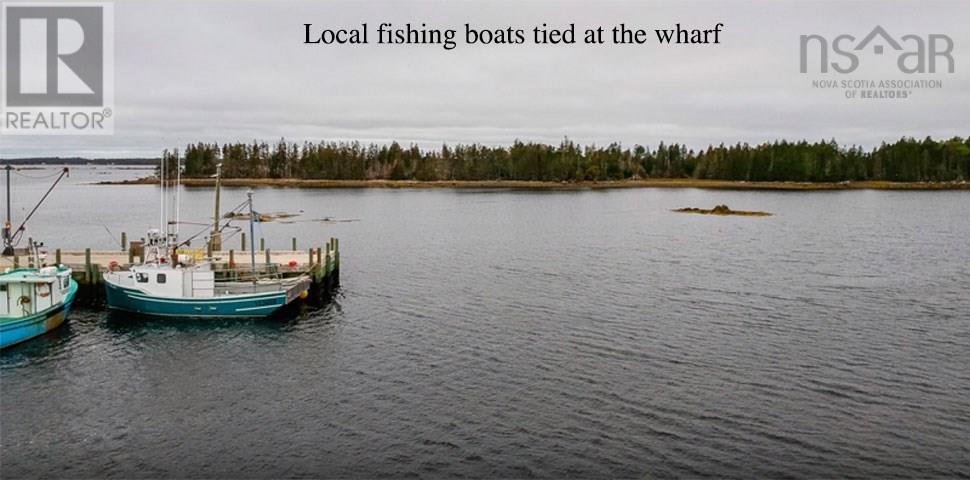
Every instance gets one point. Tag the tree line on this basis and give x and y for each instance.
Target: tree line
(906, 160)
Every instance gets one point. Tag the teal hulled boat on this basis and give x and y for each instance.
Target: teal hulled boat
(171, 285)
(190, 291)
(33, 301)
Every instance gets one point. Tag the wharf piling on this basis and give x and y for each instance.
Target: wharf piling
(325, 273)
(322, 265)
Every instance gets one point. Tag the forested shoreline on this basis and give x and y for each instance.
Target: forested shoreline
(906, 160)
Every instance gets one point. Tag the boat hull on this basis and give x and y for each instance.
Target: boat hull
(20, 330)
(136, 301)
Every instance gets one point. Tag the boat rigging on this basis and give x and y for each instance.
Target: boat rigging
(12, 237)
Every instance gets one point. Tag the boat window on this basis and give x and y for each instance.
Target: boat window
(160, 278)
(141, 277)
(65, 282)
(3, 287)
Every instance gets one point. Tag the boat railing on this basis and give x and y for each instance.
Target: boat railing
(245, 273)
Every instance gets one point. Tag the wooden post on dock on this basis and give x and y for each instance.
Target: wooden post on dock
(267, 257)
(319, 256)
(294, 244)
(16, 261)
(333, 253)
(336, 263)
(131, 256)
(243, 241)
(57, 256)
(262, 243)
(327, 280)
(87, 266)
(310, 265)
(232, 258)
(124, 241)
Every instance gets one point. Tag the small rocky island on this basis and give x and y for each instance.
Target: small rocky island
(723, 210)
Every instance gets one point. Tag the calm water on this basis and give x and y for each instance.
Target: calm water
(526, 334)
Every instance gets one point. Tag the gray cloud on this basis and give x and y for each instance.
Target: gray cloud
(239, 71)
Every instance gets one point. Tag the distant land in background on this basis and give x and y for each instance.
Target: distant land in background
(78, 161)
(907, 163)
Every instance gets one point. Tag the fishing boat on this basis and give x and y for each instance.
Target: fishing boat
(34, 300)
(179, 286)
(170, 284)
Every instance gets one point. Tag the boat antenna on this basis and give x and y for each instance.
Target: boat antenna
(10, 240)
(252, 236)
(7, 245)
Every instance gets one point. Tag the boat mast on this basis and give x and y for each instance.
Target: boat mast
(215, 240)
(9, 238)
(178, 195)
(169, 204)
(252, 234)
(7, 241)
(161, 198)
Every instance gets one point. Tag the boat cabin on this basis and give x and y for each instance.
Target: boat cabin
(166, 281)
(27, 291)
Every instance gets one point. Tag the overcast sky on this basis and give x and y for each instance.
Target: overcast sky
(228, 71)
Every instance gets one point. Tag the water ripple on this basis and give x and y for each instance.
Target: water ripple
(538, 335)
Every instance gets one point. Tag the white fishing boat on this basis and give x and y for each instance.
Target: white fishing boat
(173, 285)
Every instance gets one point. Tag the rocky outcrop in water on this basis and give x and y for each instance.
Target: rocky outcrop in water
(723, 210)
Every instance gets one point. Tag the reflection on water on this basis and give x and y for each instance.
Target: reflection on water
(518, 334)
